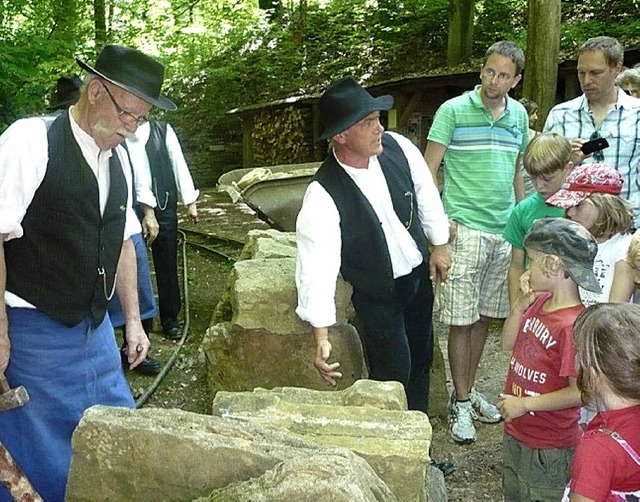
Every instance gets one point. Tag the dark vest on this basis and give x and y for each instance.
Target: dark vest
(163, 179)
(366, 263)
(65, 263)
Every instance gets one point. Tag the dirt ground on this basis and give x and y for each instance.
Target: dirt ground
(478, 475)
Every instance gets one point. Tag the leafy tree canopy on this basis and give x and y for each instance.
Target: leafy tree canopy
(221, 54)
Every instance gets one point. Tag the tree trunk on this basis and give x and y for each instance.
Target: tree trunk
(543, 48)
(100, 22)
(460, 32)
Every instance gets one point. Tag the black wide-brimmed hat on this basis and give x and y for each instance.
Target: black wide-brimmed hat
(67, 92)
(345, 103)
(133, 71)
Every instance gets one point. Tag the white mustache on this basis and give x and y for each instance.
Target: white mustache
(101, 126)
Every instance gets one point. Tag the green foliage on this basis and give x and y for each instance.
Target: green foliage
(222, 54)
(499, 20)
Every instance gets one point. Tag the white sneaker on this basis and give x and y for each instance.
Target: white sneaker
(461, 426)
(485, 411)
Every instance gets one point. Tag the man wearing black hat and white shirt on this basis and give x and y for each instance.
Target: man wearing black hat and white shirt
(65, 223)
(370, 213)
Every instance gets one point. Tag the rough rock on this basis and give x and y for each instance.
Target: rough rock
(394, 442)
(169, 455)
(269, 244)
(326, 475)
(381, 395)
(263, 295)
(242, 359)
(256, 339)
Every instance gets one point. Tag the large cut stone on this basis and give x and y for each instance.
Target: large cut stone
(269, 244)
(381, 395)
(242, 359)
(169, 455)
(326, 475)
(394, 442)
(263, 295)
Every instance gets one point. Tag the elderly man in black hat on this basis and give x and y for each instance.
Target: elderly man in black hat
(65, 225)
(371, 213)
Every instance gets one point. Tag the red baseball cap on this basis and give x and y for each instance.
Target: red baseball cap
(584, 180)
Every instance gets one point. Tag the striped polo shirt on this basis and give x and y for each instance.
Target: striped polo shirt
(480, 161)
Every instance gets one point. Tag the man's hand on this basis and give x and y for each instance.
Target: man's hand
(5, 343)
(511, 407)
(439, 262)
(150, 226)
(137, 344)
(323, 352)
(577, 157)
(192, 212)
(453, 230)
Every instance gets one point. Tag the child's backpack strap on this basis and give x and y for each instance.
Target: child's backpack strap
(626, 446)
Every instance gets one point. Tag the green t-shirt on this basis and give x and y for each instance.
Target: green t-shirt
(524, 214)
(480, 161)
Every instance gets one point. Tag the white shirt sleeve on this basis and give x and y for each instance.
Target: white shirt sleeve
(318, 263)
(143, 183)
(24, 154)
(132, 224)
(184, 182)
(434, 220)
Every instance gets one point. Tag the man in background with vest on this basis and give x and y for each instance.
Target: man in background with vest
(370, 213)
(65, 225)
(161, 173)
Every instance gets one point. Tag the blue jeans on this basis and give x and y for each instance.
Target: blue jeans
(398, 335)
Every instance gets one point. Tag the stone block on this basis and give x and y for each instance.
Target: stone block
(154, 454)
(381, 395)
(338, 476)
(240, 359)
(263, 295)
(395, 443)
(269, 244)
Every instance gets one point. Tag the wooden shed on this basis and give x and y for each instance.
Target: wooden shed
(287, 131)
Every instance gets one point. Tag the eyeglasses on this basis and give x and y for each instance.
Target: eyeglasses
(491, 74)
(598, 155)
(123, 114)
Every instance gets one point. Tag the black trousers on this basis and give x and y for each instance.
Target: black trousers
(398, 335)
(165, 262)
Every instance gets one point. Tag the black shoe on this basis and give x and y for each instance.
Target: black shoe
(447, 468)
(172, 333)
(149, 366)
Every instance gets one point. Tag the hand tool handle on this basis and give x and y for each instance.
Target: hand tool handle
(14, 480)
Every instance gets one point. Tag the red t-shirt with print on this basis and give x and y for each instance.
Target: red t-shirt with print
(542, 361)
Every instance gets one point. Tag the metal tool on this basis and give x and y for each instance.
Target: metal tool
(11, 398)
